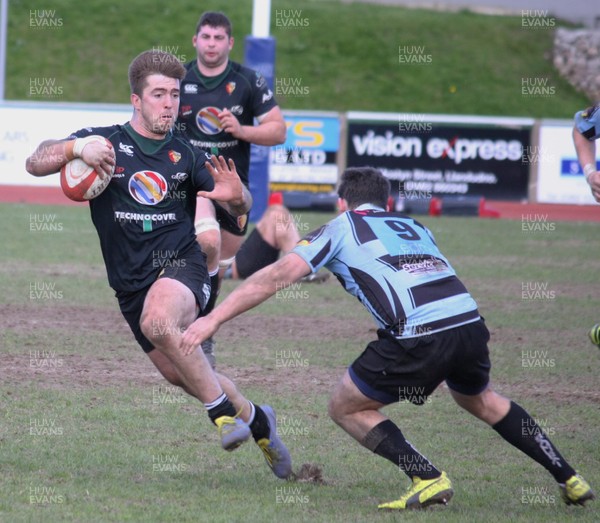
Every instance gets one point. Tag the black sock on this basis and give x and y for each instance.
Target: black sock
(260, 424)
(220, 407)
(386, 440)
(521, 430)
(214, 294)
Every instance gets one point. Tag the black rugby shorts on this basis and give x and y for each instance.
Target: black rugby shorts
(190, 270)
(254, 254)
(391, 369)
(236, 225)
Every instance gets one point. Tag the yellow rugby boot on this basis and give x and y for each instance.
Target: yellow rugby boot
(424, 492)
(576, 491)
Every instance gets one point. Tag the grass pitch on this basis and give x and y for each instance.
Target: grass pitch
(91, 433)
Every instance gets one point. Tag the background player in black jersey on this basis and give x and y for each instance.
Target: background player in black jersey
(220, 100)
(429, 332)
(275, 233)
(144, 219)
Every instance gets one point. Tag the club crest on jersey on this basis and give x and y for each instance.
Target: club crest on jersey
(148, 187)
(207, 120)
(174, 156)
(312, 236)
(590, 111)
(230, 87)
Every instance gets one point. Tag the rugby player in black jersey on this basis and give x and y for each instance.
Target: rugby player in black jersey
(220, 100)
(145, 222)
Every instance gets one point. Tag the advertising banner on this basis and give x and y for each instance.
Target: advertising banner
(559, 175)
(434, 155)
(307, 161)
(24, 126)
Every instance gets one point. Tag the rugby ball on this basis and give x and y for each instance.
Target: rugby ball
(79, 181)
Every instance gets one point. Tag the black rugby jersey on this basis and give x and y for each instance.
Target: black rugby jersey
(243, 91)
(145, 217)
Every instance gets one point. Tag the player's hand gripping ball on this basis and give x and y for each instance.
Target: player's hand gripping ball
(79, 181)
(595, 334)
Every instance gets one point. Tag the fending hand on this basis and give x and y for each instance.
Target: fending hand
(202, 329)
(228, 186)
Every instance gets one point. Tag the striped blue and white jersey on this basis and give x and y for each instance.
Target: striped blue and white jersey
(392, 264)
(587, 122)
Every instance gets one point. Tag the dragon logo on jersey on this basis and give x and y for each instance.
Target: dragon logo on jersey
(589, 112)
(312, 236)
(174, 156)
(230, 87)
(207, 120)
(148, 187)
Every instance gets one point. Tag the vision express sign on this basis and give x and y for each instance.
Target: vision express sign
(426, 158)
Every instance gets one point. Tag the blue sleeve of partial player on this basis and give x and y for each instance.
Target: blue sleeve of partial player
(587, 122)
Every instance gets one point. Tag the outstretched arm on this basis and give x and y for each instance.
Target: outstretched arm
(586, 154)
(252, 292)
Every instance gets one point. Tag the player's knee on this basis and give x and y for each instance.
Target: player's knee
(157, 329)
(278, 215)
(212, 248)
(488, 406)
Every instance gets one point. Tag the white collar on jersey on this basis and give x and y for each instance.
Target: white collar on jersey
(365, 206)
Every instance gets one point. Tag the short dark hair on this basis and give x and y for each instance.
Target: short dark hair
(215, 19)
(364, 185)
(153, 62)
